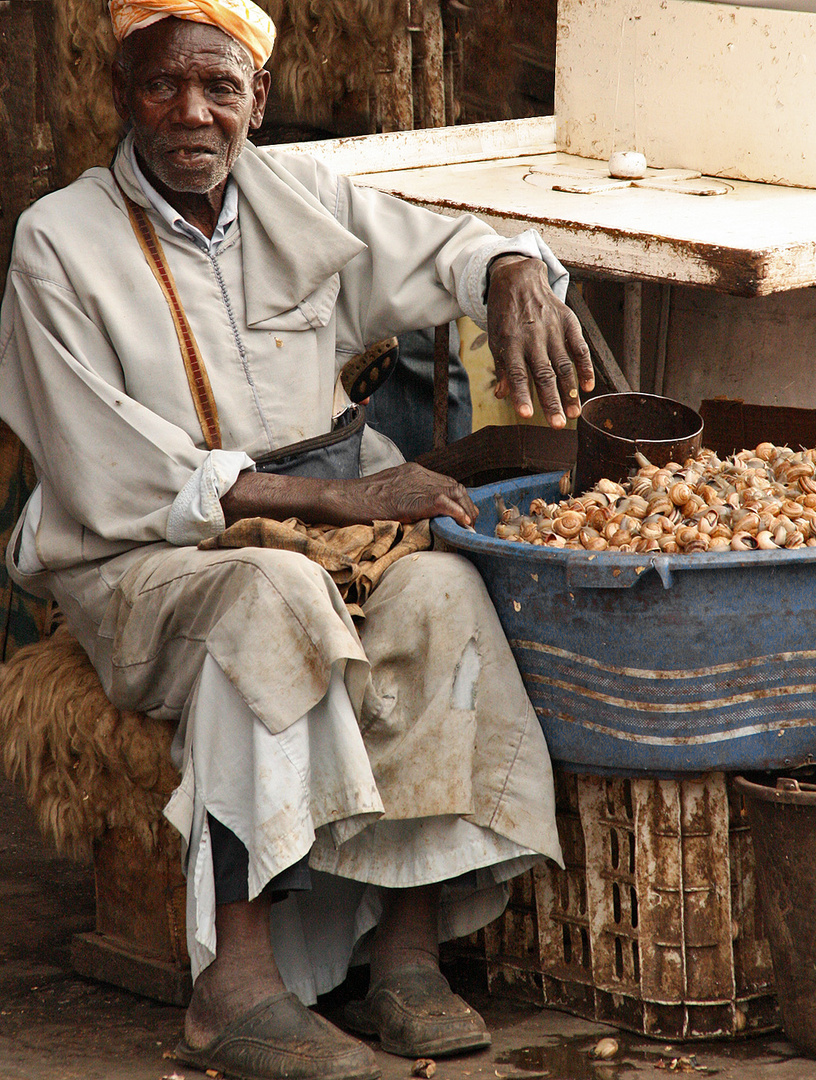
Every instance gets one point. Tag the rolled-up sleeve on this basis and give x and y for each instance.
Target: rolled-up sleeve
(196, 513)
(472, 286)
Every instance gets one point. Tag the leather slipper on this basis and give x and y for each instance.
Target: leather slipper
(281, 1038)
(416, 1014)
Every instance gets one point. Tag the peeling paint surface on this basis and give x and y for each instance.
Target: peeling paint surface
(754, 240)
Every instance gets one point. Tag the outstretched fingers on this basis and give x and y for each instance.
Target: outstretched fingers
(536, 342)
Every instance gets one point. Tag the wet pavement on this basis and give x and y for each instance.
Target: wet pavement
(57, 1026)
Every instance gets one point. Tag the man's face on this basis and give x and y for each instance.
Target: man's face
(191, 94)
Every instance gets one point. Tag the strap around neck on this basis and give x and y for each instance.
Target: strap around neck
(200, 388)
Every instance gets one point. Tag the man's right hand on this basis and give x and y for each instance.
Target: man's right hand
(406, 493)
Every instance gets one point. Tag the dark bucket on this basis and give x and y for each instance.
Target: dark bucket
(783, 828)
(613, 427)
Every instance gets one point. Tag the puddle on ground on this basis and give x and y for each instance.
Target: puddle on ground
(569, 1058)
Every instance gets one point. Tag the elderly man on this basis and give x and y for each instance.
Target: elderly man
(348, 792)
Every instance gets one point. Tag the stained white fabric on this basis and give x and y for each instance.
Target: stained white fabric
(236, 770)
(472, 289)
(196, 512)
(461, 774)
(85, 365)
(401, 753)
(27, 561)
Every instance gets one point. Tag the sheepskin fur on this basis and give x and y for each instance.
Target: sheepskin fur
(326, 48)
(85, 766)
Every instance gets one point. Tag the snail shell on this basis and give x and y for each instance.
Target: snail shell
(702, 543)
(621, 538)
(687, 534)
(668, 544)
(651, 527)
(743, 541)
(693, 505)
(765, 540)
(660, 503)
(569, 524)
(609, 487)
(764, 498)
(506, 531)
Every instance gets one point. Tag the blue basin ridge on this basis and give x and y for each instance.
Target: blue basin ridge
(660, 665)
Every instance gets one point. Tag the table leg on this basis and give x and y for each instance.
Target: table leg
(632, 316)
(602, 356)
(662, 339)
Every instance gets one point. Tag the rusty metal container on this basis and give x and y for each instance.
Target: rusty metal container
(783, 827)
(654, 923)
(613, 427)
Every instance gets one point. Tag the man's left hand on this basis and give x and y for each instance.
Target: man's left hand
(531, 334)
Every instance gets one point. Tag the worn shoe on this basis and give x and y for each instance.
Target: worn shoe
(281, 1038)
(416, 1014)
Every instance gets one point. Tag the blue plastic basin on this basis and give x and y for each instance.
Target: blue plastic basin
(662, 664)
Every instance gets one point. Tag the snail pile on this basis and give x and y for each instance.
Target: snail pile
(763, 498)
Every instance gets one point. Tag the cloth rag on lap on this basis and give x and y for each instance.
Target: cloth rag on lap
(356, 556)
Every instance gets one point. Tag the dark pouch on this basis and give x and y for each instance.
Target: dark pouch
(334, 456)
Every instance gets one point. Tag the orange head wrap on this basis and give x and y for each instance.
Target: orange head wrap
(241, 19)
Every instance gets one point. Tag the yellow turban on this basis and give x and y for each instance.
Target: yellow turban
(241, 19)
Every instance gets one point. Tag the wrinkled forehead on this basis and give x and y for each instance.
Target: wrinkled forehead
(181, 44)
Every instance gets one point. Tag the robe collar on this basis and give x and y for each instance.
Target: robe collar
(308, 245)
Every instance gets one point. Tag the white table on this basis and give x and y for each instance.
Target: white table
(753, 240)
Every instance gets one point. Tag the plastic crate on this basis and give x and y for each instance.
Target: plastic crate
(653, 925)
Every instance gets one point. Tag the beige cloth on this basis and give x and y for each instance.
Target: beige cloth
(275, 624)
(91, 376)
(442, 770)
(356, 556)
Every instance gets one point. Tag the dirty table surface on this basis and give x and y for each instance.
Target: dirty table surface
(751, 239)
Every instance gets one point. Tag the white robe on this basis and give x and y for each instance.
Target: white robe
(405, 754)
